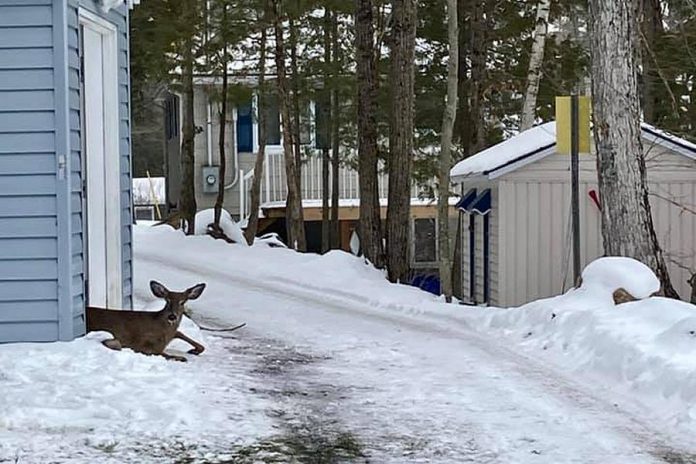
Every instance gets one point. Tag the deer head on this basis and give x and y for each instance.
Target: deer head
(176, 301)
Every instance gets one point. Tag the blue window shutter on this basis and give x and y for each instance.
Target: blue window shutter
(245, 129)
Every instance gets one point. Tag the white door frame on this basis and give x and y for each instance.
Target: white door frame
(103, 256)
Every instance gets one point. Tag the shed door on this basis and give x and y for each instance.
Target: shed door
(100, 156)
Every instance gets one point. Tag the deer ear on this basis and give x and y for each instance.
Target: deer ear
(195, 291)
(158, 289)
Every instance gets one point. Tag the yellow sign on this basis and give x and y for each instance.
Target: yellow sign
(563, 120)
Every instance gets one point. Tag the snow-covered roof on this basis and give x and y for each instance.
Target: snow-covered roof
(539, 142)
(530, 141)
(144, 188)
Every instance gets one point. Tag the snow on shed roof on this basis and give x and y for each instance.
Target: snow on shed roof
(539, 140)
(532, 140)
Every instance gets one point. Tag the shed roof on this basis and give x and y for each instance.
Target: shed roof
(539, 142)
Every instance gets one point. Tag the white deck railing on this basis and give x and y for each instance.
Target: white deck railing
(274, 187)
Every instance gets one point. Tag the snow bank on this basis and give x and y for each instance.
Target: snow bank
(337, 273)
(647, 349)
(606, 275)
(228, 225)
(60, 395)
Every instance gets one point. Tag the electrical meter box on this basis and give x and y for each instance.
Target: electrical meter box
(211, 179)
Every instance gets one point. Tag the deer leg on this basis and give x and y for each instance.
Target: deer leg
(197, 347)
(173, 357)
(113, 344)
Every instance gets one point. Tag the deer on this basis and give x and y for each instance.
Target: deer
(147, 332)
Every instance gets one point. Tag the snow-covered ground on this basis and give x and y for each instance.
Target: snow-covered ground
(336, 365)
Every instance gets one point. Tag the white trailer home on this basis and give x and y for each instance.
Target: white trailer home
(515, 214)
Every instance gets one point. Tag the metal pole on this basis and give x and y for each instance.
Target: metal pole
(574, 184)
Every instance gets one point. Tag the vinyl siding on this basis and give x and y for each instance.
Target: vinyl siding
(28, 210)
(41, 242)
(76, 297)
(535, 244)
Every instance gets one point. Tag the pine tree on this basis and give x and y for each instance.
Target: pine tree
(402, 45)
(370, 228)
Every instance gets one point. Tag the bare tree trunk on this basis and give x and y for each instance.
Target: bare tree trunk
(463, 122)
(446, 152)
(255, 201)
(335, 137)
(370, 228)
(536, 60)
(651, 27)
(223, 129)
(294, 216)
(479, 51)
(325, 157)
(402, 77)
(627, 225)
(295, 98)
(188, 188)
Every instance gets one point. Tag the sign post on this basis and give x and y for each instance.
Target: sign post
(573, 138)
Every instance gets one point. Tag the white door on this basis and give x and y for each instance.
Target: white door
(100, 156)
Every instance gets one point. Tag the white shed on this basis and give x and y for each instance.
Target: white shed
(515, 213)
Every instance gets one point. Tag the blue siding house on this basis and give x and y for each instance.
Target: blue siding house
(65, 167)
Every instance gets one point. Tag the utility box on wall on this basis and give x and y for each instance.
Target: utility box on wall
(211, 178)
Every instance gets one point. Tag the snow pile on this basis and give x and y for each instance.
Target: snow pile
(606, 275)
(64, 394)
(646, 348)
(337, 273)
(270, 239)
(227, 224)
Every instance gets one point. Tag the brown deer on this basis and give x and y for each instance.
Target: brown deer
(147, 332)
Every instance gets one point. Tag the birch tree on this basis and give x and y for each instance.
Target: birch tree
(627, 225)
(536, 60)
(446, 151)
(370, 228)
(401, 132)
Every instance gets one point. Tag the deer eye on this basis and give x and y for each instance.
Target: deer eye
(172, 317)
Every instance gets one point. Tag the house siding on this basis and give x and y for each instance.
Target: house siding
(41, 242)
(28, 204)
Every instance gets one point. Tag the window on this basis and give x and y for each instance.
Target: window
(272, 119)
(171, 116)
(306, 125)
(144, 213)
(322, 126)
(245, 128)
(425, 240)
